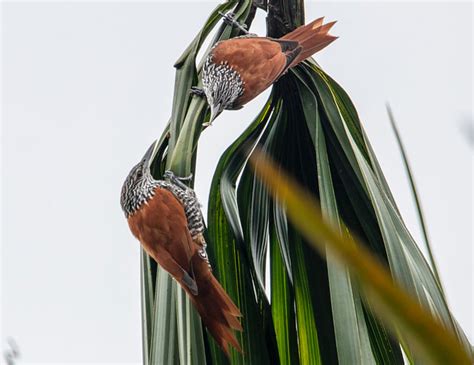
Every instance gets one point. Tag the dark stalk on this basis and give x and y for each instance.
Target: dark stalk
(284, 16)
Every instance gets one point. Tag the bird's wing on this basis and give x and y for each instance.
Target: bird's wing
(162, 228)
(259, 61)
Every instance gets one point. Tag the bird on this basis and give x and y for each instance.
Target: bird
(165, 216)
(236, 70)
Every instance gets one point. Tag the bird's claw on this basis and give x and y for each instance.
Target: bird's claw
(197, 91)
(170, 174)
(207, 124)
(229, 19)
(177, 180)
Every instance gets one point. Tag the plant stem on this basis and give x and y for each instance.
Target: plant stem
(284, 16)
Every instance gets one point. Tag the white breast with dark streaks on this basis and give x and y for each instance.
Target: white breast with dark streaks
(221, 83)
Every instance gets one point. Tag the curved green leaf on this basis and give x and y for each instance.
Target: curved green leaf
(352, 338)
(430, 341)
(171, 326)
(282, 299)
(231, 263)
(415, 196)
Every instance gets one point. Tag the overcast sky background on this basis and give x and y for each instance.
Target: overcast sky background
(87, 86)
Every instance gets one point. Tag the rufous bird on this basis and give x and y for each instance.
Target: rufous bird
(238, 69)
(165, 216)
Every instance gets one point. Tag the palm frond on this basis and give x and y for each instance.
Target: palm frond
(311, 309)
(431, 342)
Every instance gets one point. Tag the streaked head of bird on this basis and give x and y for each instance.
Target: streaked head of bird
(222, 86)
(139, 186)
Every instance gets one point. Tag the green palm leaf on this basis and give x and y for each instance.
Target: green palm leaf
(431, 341)
(299, 307)
(172, 330)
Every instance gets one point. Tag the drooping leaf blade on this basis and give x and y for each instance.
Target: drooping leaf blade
(352, 339)
(282, 299)
(231, 263)
(172, 311)
(429, 339)
(416, 198)
(406, 260)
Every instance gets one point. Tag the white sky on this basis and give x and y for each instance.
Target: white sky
(87, 86)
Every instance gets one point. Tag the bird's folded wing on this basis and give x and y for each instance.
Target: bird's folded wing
(259, 62)
(162, 228)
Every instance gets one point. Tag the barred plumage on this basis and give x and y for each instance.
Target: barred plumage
(191, 205)
(238, 69)
(165, 216)
(140, 186)
(222, 85)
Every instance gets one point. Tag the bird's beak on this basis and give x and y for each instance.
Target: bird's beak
(215, 111)
(150, 154)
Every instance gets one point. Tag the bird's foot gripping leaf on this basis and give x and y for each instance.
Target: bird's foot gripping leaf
(229, 19)
(177, 180)
(197, 91)
(187, 197)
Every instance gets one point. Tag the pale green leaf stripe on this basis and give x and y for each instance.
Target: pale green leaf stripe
(147, 302)
(180, 160)
(183, 323)
(259, 228)
(429, 340)
(164, 326)
(190, 346)
(147, 282)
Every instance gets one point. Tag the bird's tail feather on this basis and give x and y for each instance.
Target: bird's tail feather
(312, 37)
(219, 314)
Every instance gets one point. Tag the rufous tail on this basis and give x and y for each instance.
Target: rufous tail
(219, 314)
(312, 38)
